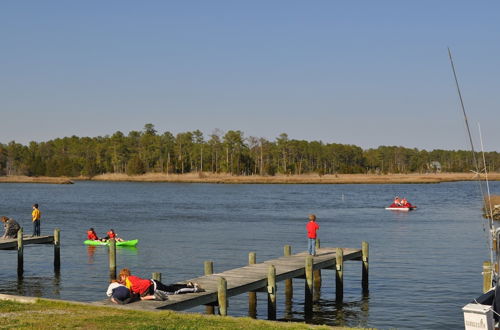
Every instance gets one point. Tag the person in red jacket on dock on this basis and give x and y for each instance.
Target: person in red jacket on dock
(312, 227)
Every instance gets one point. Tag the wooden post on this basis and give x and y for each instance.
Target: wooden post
(112, 259)
(339, 275)
(156, 276)
(318, 244)
(209, 270)
(317, 277)
(20, 252)
(364, 278)
(308, 287)
(57, 249)
(287, 252)
(222, 296)
(252, 295)
(271, 292)
(487, 276)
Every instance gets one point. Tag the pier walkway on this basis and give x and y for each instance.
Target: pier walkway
(22, 240)
(11, 243)
(261, 277)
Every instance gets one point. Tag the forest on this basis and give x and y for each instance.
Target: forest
(229, 152)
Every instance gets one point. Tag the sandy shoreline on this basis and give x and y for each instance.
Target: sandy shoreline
(278, 179)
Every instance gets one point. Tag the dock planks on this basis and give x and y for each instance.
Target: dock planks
(244, 279)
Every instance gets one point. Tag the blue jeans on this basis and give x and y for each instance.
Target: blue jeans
(36, 228)
(311, 246)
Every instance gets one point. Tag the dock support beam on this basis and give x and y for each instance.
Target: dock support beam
(287, 252)
(252, 295)
(308, 287)
(222, 296)
(112, 259)
(156, 276)
(20, 253)
(339, 275)
(487, 272)
(317, 277)
(271, 293)
(57, 249)
(364, 259)
(209, 270)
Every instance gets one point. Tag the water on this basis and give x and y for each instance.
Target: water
(424, 265)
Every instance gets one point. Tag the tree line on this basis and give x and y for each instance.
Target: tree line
(231, 152)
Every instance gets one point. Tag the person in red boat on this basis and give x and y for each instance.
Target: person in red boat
(405, 203)
(397, 202)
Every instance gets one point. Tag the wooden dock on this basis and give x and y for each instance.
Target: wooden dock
(262, 277)
(22, 240)
(11, 243)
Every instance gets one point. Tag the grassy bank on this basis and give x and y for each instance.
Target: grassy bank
(48, 314)
(277, 179)
(297, 179)
(35, 179)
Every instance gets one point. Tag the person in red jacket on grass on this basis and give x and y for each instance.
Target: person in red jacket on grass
(312, 227)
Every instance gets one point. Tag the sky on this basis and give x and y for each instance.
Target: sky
(367, 73)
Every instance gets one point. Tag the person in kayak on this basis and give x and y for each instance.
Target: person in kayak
(91, 235)
(111, 234)
(11, 227)
(153, 289)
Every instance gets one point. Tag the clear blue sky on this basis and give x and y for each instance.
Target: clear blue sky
(368, 73)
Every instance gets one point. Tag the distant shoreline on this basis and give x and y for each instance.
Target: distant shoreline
(257, 179)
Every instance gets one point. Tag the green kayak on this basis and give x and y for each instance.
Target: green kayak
(132, 242)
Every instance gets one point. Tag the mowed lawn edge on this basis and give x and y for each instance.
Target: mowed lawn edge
(48, 314)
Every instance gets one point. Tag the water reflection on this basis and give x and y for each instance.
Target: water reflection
(34, 286)
(120, 250)
(353, 313)
(90, 253)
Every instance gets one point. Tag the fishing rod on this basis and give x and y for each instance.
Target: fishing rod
(476, 163)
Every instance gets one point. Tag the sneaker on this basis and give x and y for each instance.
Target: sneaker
(160, 295)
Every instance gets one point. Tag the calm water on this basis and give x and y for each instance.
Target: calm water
(424, 265)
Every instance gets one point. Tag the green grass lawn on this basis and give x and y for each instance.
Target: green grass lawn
(47, 314)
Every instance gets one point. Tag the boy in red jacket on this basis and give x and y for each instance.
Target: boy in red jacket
(312, 227)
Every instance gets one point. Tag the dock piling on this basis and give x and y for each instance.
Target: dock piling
(222, 296)
(487, 276)
(287, 252)
(317, 277)
(339, 275)
(271, 292)
(209, 270)
(156, 276)
(364, 276)
(20, 252)
(252, 295)
(112, 259)
(57, 249)
(308, 286)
